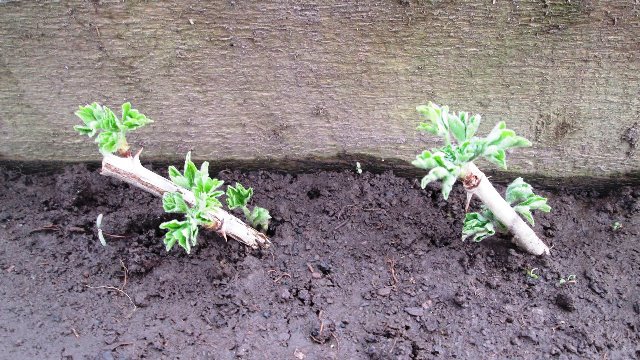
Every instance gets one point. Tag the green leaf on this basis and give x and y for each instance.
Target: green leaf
(259, 218)
(473, 123)
(518, 191)
(175, 232)
(477, 226)
(536, 202)
(457, 127)
(173, 202)
(425, 161)
(238, 196)
(526, 213)
(468, 151)
(504, 138)
(125, 110)
(111, 130)
(499, 157)
(84, 130)
(108, 141)
(204, 184)
(184, 233)
(436, 173)
(521, 193)
(447, 185)
(190, 170)
(107, 120)
(177, 178)
(438, 120)
(202, 217)
(132, 118)
(86, 113)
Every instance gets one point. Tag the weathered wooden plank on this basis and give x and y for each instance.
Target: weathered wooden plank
(283, 80)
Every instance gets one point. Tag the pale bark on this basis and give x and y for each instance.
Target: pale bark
(523, 235)
(130, 170)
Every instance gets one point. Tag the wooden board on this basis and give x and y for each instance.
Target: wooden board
(275, 81)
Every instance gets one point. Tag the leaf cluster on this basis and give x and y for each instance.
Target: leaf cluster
(206, 192)
(520, 196)
(110, 130)
(238, 197)
(461, 145)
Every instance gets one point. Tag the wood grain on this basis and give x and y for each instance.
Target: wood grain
(275, 80)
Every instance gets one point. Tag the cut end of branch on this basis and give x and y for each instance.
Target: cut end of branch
(471, 181)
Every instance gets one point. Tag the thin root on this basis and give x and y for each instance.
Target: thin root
(120, 289)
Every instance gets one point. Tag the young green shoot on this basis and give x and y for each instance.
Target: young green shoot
(531, 273)
(99, 226)
(110, 130)
(571, 279)
(238, 197)
(454, 160)
(206, 193)
(616, 226)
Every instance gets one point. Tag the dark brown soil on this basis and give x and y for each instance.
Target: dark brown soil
(362, 267)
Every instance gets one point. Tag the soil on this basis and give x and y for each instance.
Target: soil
(362, 267)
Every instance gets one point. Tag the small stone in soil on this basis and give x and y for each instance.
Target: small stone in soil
(141, 299)
(384, 291)
(304, 295)
(285, 294)
(459, 299)
(414, 311)
(431, 324)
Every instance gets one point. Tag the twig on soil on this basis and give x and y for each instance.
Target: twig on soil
(341, 225)
(120, 289)
(282, 276)
(130, 170)
(115, 346)
(116, 236)
(50, 227)
(392, 269)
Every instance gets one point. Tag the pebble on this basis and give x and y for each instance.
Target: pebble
(141, 299)
(414, 311)
(384, 291)
(431, 325)
(285, 294)
(316, 275)
(304, 295)
(537, 315)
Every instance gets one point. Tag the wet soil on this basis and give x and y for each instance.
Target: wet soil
(362, 267)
